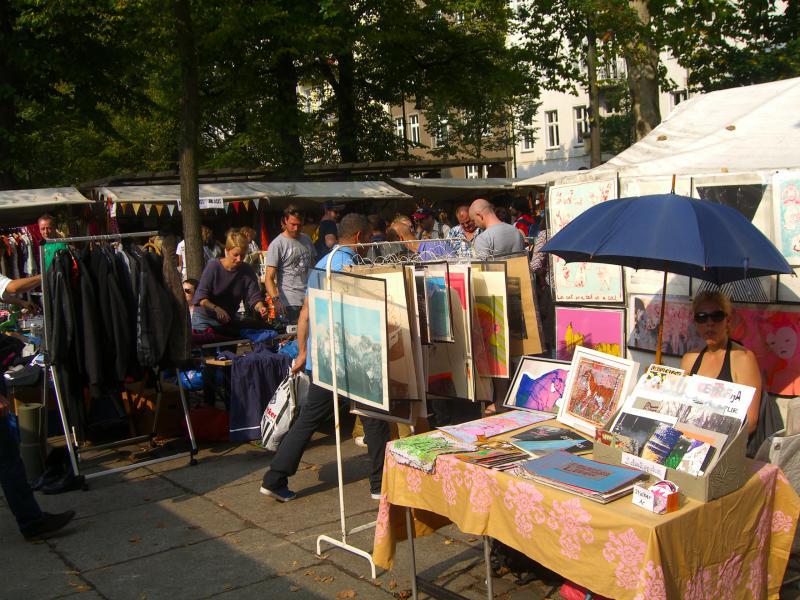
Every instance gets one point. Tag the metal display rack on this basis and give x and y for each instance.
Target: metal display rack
(72, 445)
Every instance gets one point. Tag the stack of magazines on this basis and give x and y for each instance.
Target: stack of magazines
(589, 479)
(420, 451)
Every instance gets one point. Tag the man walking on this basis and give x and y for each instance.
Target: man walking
(289, 257)
(353, 229)
(498, 238)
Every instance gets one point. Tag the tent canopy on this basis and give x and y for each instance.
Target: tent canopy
(543, 179)
(462, 190)
(739, 129)
(20, 207)
(231, 192)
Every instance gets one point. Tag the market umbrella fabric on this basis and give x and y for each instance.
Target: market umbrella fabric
(671, 233)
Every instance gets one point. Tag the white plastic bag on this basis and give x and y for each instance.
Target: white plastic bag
(279, 414)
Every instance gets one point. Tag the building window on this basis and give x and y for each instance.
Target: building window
(413, 121)
(474, 172)
(581, 114)
(398, 127)
(551, 124)
(678, 97)
(527, 134)
(439, 140)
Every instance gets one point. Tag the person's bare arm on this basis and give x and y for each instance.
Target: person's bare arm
(302, 339)
(269, 281)
(688, 361)
(24, 284)
(746, 372)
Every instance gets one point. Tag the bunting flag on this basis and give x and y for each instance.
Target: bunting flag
(246, 204)
(236, 206)
(159, 209)
(227, 207)
(256, 202)
(263, 228)
(171, 209)
(136, 206)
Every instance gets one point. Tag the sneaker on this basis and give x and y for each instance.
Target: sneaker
(282, 495)
(359, 441)
(47, 525)
(375, 496)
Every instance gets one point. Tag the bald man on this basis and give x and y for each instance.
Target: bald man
(498, 238)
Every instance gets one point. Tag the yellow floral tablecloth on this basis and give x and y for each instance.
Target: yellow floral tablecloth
(734, 547)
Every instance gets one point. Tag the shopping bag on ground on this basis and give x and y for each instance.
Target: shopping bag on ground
(279, 414)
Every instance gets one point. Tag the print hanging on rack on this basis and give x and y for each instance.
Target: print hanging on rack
(438, 310)
(786, 208)
(490, 323)
(680, 335)
(582, 282)
(359, 345)
(602, 329)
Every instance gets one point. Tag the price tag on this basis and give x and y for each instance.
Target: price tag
(648, 466)
(212, 202)
(644, 498)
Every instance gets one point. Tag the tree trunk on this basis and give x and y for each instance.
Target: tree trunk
(289, 123)
(641, 60)
(347, 114)
(8, 110)
(594, 97)
(187, 148)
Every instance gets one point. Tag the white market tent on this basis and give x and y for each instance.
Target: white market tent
(18, 207)
(543, 179)
(463, 190)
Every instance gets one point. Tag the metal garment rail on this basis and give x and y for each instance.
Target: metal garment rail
(69, 435)
(342, 543)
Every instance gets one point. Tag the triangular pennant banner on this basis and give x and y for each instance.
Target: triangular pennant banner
(236, 206)
(227, 207)
(256, 202)
(171, 209)
(136, 207)
(159, 209)
(246, 204)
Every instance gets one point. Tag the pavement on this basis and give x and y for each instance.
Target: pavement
(176, 531)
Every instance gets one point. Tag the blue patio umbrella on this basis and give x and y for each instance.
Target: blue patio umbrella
(673, 233)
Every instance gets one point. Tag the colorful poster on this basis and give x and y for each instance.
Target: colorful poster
(538, 384)
(438, 307)
(596, 328)
(786, 209)
(582, 282)
(491, 323)
(360, 346)
(680, 335)
(471, 431)
(596, 386)
(774, 337)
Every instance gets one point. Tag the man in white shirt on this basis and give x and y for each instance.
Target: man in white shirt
(498, 238)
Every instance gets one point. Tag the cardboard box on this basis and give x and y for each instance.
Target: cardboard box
(725, 476)
(142, 402)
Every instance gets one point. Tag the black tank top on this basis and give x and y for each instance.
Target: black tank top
(725, 372)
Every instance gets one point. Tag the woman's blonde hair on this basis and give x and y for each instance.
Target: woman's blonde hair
(713, 296)
(235, 239)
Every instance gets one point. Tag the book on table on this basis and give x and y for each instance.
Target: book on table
(588, 478)
(543, 439)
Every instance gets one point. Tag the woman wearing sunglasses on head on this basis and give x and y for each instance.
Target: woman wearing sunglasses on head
(722, 358)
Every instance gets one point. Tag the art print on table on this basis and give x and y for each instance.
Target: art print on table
(360, 343)
(471, 431)
(582, 282)
(786, 209)
(538, 384)
(596, 328)
(680, 334)
(596, 386)
(774, 337)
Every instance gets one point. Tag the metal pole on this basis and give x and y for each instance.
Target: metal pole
(101, 238)
(487, 557)
(410, 534)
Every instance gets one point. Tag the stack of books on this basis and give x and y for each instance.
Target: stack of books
(545, 439)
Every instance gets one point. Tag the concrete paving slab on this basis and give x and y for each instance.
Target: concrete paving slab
(143, 530)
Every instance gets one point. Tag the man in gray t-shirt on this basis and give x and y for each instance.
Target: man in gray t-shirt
(289, 258)
(498, 238)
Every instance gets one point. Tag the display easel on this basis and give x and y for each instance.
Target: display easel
(406, 260)
(69, 437)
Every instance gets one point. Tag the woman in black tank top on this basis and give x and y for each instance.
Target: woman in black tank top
(722, 358)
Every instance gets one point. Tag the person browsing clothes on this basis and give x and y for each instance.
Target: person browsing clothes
(353, 229)
(722, 358)
(225, 283)
(289, 257)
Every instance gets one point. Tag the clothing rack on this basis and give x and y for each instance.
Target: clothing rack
(412, 259)
(69, 437)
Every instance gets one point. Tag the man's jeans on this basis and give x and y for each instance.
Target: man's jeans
(14, 481)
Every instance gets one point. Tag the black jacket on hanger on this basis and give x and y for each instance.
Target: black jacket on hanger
(90, 327)
(154, 314)
(61, 329)
(117, 338)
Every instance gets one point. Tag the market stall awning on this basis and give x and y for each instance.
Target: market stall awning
(544, 179)
(453, 190)
(20, 207)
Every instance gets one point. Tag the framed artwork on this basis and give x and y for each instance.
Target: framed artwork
(524, 327)
(788, 288)
(773, 335)
(601, 329)
(786, 214)
(680, 334)
(490, 322)
(596, 386)
(582, 282)
(436, 298)
(360, 344)
(538, 384)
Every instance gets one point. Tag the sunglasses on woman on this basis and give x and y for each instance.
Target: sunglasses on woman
(717, 316)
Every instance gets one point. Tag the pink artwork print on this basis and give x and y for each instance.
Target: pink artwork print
(598, 329)
(680, 335)
(774, 337)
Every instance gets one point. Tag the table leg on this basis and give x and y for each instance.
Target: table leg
(410, 532)
(487, 557)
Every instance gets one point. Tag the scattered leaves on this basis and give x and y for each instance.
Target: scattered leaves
(346, 594)
(83, 588)
(315, 467)
(135, 540)
(295, 563)
(448, 541)
(392, 584)
(403, 594)
(309, 573)
(294, 588)
(472, 539)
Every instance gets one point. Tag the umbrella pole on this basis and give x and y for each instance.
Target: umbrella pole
(661, 317)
